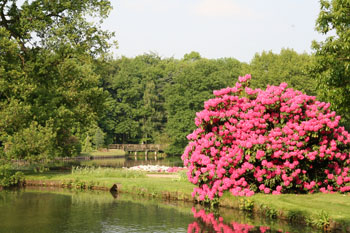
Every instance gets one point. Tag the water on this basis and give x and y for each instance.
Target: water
(38, 211)
(121, 162)
(57, 210)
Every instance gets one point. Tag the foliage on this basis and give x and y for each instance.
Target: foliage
(35, 143)
(87, 145)
(8, 177)
(322, 220)
(273, 141)
(98, 138)
(246, 205)
(192, 83)
(134, 111)
(290, 67)
(332, 56)
(153, 100)
(49, 93)
(268, 211)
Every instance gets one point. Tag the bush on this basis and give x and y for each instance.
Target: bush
(9, 177)
(34, 144)
(275, 141)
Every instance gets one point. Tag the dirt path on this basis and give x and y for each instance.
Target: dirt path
(163, 175)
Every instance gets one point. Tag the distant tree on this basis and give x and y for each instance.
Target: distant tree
(135, 111)
(192, 82)
(332, 56)
(99, 138)
(269, 68)
(127, 95)
(87, 144)
(192, 56)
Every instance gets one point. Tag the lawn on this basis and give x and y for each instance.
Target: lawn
(110, 152)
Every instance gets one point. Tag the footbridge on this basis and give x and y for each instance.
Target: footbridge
(135, 148)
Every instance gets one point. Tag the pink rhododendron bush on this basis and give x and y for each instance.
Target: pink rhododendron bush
(277, 140)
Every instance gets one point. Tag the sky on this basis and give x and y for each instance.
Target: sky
(214, 28)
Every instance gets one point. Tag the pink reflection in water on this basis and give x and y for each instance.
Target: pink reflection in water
(212, 224)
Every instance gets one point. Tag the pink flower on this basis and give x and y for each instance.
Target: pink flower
(260, 154)
(247, 136)
(340, 180)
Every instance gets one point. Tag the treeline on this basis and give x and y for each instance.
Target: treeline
(61, 94)
(155, 100)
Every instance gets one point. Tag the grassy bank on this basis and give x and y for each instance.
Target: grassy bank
(105, 152)
(321, 210)
(128, 181)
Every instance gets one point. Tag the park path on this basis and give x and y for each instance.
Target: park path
(163, 175)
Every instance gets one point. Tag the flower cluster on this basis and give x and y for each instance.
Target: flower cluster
(157, 168)
(277, 140)
(175, 169)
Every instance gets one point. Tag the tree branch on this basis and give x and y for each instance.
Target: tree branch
(3, 21)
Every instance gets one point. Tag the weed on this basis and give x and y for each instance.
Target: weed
(90, 184)
(183, 175)
(268, 211)
(322, 220)
(295, 216)
(246, 205)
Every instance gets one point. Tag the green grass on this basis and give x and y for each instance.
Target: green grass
(115, 162)
(99, 172)
(317, 208)
(110, 152)
(314, 209)
(336, 205)
(131, 181)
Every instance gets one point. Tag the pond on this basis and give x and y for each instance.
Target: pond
(58, 210)
(119, 162)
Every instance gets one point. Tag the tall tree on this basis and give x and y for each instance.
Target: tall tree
(193, 81)
(134, 112)
(332, 64)
(48, 88)
(288, 66)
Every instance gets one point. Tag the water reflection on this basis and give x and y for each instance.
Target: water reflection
(230, 220)
(119, 162)
(209, 223)
(61, 210)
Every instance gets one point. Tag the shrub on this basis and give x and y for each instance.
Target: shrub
(34, 144)
(9, 177)
(277, 140)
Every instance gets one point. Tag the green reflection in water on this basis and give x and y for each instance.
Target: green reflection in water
(170, 161)
(28, 211)
(61, 210)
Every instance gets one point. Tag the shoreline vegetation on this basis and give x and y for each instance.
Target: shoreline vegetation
(323, 211)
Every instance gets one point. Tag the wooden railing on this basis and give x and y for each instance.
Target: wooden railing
(138, 147)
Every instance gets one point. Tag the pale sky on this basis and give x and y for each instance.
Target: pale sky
(214, 28)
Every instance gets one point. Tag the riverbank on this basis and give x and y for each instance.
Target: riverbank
(328, 211)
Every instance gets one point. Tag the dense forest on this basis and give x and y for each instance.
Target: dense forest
(61, 92)
(155, 100)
